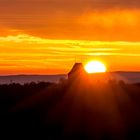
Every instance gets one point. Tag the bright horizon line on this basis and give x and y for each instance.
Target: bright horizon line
(35, 74)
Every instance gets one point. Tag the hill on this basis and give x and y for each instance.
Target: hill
(129, 77)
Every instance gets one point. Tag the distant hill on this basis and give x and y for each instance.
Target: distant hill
(30, 78)
(129, 77)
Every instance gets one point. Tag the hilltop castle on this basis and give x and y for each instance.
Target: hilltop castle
(77, 70)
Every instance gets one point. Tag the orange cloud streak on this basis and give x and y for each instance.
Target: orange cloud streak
(29, 54)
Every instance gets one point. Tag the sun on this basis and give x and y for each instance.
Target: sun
(95, 67)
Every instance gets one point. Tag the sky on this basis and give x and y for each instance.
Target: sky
(49, 36)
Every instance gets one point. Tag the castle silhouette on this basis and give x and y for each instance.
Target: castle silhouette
(78, 72)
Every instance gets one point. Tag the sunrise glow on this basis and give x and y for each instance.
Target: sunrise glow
(44, 37)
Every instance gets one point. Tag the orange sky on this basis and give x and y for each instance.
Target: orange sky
(45, 36)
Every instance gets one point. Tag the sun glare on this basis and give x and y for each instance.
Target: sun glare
(95, 67)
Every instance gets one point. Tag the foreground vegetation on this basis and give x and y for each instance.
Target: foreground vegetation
(77, 109)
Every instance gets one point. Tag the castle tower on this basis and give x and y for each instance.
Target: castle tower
(76, 71)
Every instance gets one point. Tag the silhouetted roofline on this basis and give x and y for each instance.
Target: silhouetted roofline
(77, 67)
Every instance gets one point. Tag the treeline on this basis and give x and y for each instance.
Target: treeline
(75, 109)
(12, 93)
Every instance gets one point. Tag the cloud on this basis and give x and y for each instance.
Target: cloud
(107, 20)
(24, 44)
(21, 38)
(31, 54)
(72, 4)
